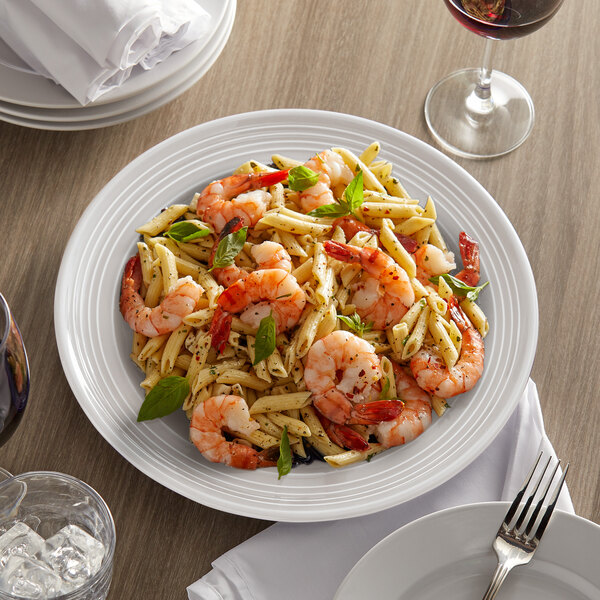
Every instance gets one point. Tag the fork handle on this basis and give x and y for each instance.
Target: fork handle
(498, 578)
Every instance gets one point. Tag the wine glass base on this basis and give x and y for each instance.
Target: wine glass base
(472, 134)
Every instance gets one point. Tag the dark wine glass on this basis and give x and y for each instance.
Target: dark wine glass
(14, 373)
(480, 113)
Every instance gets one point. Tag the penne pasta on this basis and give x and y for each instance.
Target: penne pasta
(343, 459)
(370, 153)
(168, 267)
(395, 249)
(214, 342)
(280, 402)
(476, 316)
(416, 337)
(163, 220)
(172, 348)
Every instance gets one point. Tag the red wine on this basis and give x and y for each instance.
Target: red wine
(503, 19)
(14, 374)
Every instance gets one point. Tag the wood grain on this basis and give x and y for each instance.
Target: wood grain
(376, 59)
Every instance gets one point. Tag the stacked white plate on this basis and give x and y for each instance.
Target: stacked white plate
(31, 100)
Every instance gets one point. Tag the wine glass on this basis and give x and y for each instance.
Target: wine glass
(14, 373)
(480, 113)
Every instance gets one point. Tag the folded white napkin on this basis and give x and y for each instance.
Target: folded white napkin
(90, 46)
(274, 564)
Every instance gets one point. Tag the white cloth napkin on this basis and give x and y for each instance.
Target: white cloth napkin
(296, 561)
(90, 46)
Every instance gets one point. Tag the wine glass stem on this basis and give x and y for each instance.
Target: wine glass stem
(480, 103)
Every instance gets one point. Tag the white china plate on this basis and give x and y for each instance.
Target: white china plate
(105, 115)
(449, 555)
(94, 342)
(22, 87)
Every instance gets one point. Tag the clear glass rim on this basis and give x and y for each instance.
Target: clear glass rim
(108, 559)
(8, 317)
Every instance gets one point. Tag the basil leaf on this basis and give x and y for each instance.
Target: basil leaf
(329, 210)
(284, 462)
(197, 234)
(459, 287)
(229, 247)
(354, 192)
(265, 339)
(164, 398)
(301, 178)
(355, 323)
(184, 231)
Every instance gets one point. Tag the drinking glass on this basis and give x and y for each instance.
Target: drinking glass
(47, 503)
(481, 113)
(14, 373)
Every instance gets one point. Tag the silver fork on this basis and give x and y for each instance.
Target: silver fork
(516, 545)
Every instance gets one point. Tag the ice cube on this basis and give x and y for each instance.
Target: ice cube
(26, 577)
(19, 540)
(73, 554)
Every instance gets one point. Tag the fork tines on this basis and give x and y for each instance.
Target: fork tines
(524, 532)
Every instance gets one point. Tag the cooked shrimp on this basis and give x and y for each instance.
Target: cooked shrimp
(268, 255)
(469, 253)
(415, 417)
(230, 413)
(432, 261)
(335, 175)
(271, 255)
(261, 293)
(342, 371)
(225, 199)
(431, 372)
(164, 318)
(385, 294)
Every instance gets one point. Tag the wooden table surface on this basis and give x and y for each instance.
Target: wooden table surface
(376, 59)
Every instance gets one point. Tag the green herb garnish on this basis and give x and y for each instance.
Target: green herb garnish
(264, 345)
(352, 200)
(284, 462)
(164, 398)
(301, 178)
(186, 231)
(229, 247)
(458, 287)
(355, 324)
(330, 210)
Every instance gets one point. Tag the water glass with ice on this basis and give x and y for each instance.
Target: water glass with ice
(57, 538)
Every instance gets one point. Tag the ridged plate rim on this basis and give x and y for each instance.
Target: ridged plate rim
(94, 342)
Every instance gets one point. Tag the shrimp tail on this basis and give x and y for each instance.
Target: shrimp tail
(131, 282)
(371, 413)
(458, 316)
(268, 179)
(351, 226)
(469, 253)
(268, 457)
(219, 329)
(343, 252)
(133, 269)
(231, 226)
(342, 435)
